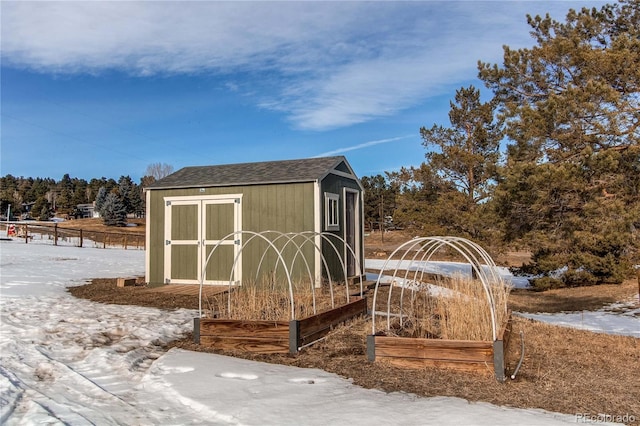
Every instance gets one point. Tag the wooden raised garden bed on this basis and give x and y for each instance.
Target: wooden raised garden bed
(273, 336)
(460, 355)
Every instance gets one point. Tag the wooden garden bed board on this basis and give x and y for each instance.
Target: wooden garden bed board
(460, 355)
(419, 363)
(434, 349)
(247, 344)
(247, 336)
(272, 336)
(316, 326)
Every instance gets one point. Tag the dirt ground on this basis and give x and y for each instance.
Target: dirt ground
(564, 370)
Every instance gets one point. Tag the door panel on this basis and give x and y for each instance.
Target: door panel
(182, 231)
(184, 265)
(184, 223)
(220, 221)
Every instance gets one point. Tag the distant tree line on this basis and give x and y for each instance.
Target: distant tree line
(566, 183)
(41, 198)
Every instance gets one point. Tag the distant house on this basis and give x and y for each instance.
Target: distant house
(26, 208)
(85, 211)
(195, 208)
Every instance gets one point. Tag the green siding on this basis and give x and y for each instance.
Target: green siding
(282, 207)
(335, 184)
(219, 266)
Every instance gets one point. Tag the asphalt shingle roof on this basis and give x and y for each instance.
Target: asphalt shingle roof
(304, 170)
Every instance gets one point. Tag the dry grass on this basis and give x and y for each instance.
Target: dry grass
(457, 309)
(97, 225)
(259, 302)
(573, 299)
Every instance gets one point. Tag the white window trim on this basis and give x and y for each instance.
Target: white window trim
(331, 211)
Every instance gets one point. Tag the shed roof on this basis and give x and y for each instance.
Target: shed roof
(267, 172)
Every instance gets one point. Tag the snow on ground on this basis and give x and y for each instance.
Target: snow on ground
(70, 361)
(441, 268)
(616, 318)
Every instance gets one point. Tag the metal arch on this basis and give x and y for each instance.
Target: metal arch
(414, 242)
(471, 251)
(308, 236)
(326, 237)
(290, 239)
(480, 273)
(254, 235)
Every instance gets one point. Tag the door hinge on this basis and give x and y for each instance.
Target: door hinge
(237, 242)
(167, 203)
(237, 200)
(167, 280)
(167, 242)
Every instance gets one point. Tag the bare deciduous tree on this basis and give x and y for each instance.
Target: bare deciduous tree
(158, 170)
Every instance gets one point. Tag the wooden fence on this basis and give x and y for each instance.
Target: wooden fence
(57, 235)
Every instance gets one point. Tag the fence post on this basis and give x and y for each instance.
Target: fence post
(125, 241)
(55, 234)
(81, 238)
(104, 240)
(26, 234)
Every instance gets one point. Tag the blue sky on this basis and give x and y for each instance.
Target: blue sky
(106, 88)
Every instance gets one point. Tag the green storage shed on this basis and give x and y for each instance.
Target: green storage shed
(197, 209)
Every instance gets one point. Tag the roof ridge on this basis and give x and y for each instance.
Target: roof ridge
(251, 173)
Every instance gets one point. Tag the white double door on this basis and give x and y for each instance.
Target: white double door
(194, 228)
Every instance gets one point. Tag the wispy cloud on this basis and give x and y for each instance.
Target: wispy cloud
(362, 145)
(323, 64)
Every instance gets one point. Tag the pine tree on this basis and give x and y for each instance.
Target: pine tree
(570, 185)
(465, 155)
(101, 197)
(419, 192)
(44, 213)
(113, 211)
(379, 199)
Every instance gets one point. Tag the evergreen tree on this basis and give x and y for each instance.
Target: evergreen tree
(64, 201)
(419, 192)
(40, 209)
(95, 185)
(113, 211)
(128, 193)
(100, 200)
(466, 156)
(571, 102)
(44, 213)
(379, 199)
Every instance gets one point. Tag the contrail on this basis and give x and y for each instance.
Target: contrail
(362, 145)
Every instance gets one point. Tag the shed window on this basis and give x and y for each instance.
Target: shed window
(331, 217)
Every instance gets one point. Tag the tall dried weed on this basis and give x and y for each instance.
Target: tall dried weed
(455, 308)
(271, 301)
